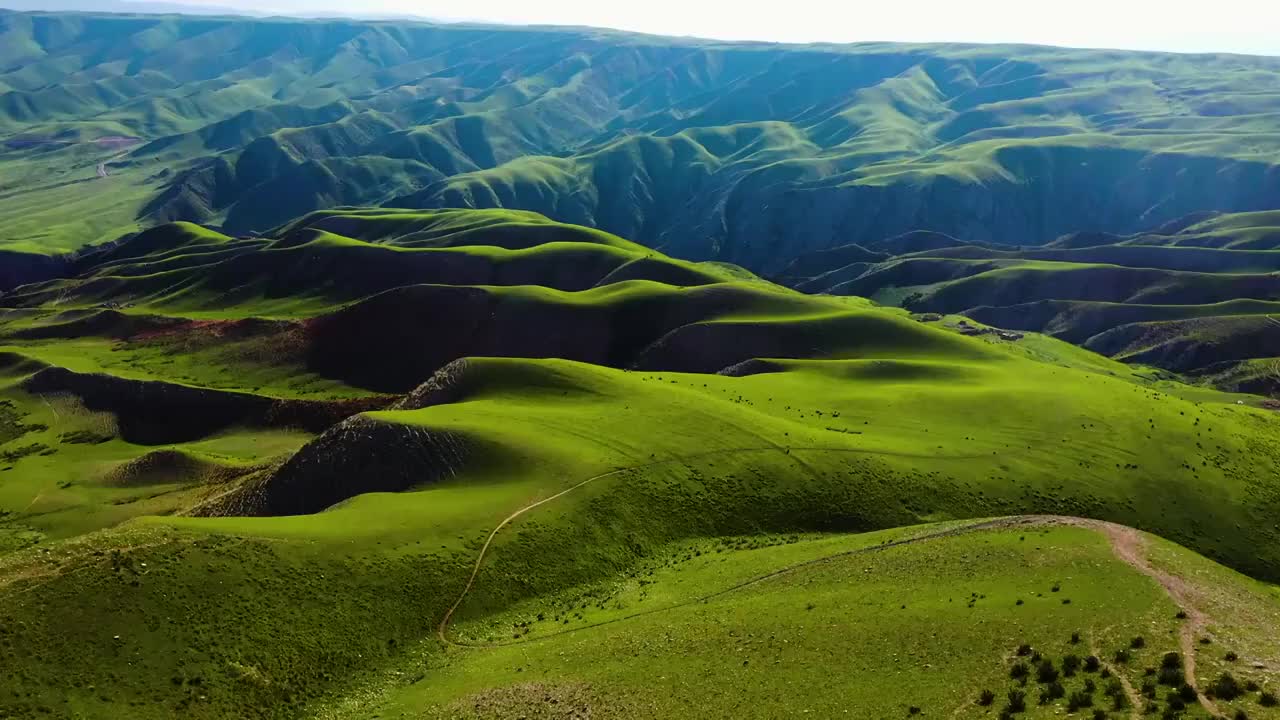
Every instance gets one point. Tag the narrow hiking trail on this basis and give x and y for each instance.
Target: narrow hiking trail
(1126, 543)
(442, 629)
(950, 532)
(1134, 698)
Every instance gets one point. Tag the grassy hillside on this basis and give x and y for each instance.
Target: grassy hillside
(865, 626)
(300, 479)
(748, 153)
(1198, 296)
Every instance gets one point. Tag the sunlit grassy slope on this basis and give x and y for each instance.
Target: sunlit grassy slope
(837, 626)
(255, 474)
(1199, 296)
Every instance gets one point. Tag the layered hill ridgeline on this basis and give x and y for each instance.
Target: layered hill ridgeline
(296, 472)
(747, 153)
(1200, 296)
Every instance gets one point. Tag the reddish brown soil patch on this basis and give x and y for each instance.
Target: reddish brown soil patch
(535, 701)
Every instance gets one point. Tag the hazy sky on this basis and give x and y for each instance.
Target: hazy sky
(1248, 26)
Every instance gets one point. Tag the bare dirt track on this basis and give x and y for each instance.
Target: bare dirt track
(1128, 544)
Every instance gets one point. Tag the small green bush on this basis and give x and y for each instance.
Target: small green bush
(1070, 664)
(1171, 660)
(1226, 687)
(1046, 672)
(1122, 657)
(1099, 714)
(1138, 642)
(986, 697)
(1019, 670)
(1187, 693)
(1268, 699)
(1017, 701)
(1092, 663)
(1079, 699)
(1171, 676)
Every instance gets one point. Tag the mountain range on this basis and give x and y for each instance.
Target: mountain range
(745, 153)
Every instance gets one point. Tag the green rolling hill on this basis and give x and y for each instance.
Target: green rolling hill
(386, 369)
(469, 463)
(1198, 297)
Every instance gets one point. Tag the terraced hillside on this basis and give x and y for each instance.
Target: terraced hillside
(1200, 296)
(481, 464)
(747, 153)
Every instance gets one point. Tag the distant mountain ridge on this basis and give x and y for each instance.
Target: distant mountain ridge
(140, 7)
(748, 153)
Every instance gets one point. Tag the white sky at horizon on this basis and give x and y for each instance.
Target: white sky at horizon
(1242, 26)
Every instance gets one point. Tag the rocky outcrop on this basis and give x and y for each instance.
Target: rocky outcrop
(359, 455)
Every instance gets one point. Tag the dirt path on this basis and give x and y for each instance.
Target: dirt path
(102, 166)
(442, 629)
(950, 532)
(1128, 545)
(1135, 700)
